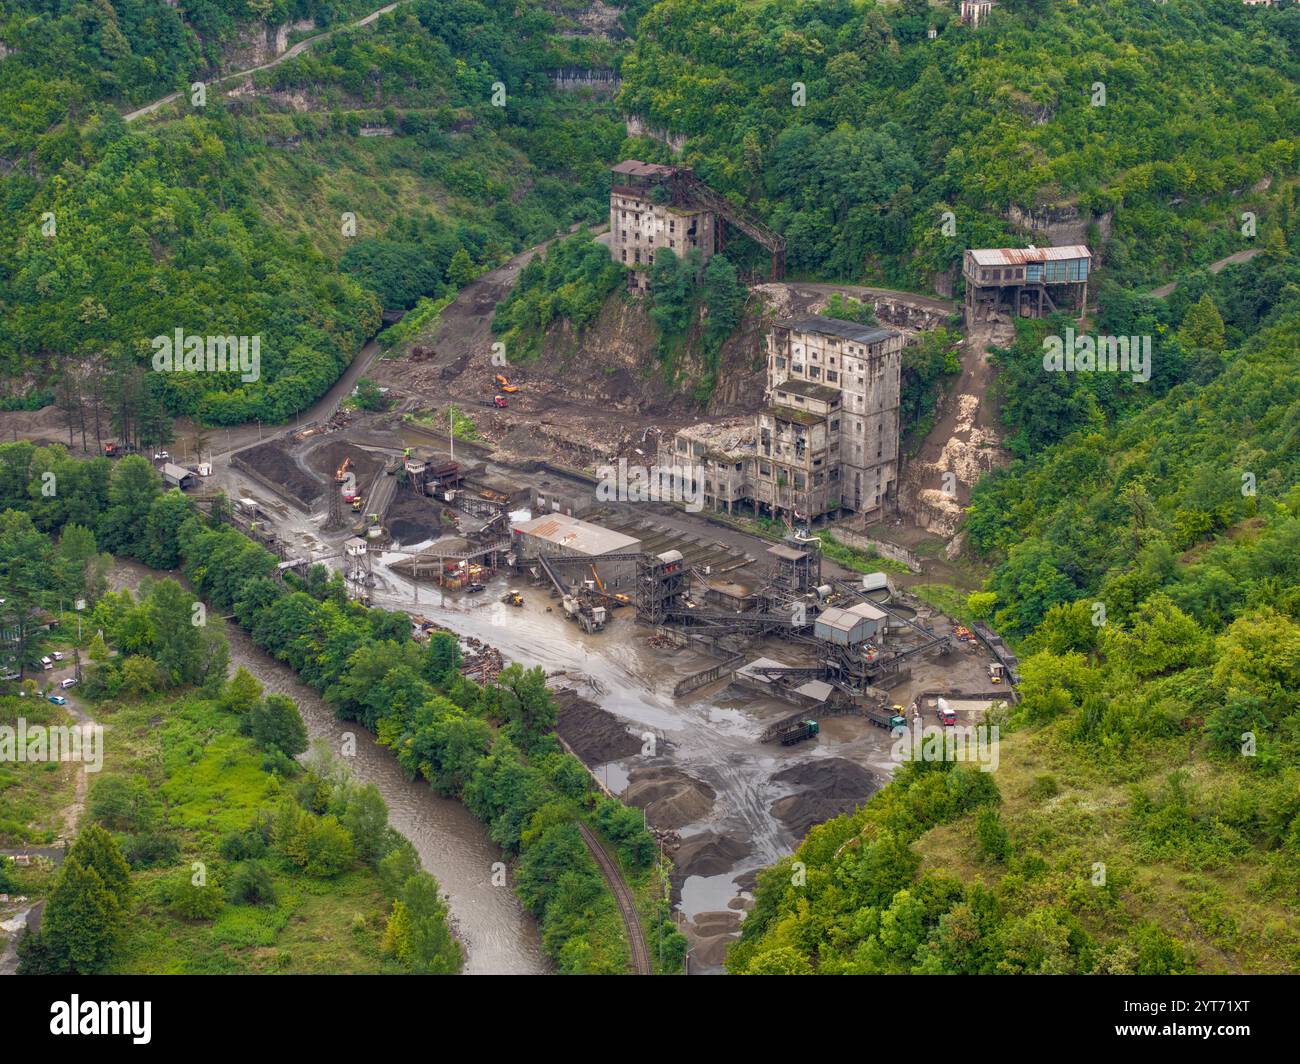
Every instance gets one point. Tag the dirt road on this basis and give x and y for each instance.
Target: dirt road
(1214, 267)
(296, 50)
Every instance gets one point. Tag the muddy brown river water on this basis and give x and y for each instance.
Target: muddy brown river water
(500, 938)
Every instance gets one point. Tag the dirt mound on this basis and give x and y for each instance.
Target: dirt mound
(595, 735)
(414, 518)
(710, 934)
(670, 798)
(326, 459)
(829, 787)
(273, 462)
(707, 854)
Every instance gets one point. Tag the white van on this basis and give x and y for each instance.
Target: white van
(69, 682)
(46, 663)
(57, 655)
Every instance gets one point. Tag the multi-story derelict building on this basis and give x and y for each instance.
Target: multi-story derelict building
(826, 441)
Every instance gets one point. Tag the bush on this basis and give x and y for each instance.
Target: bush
(150, 850)
(194, 901)
(251, 884)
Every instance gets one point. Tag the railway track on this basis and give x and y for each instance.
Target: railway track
(623, 896)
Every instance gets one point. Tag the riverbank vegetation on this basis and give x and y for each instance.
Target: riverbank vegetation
(204, 846)
(494, 747)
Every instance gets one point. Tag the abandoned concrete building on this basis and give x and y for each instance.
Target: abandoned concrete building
(973, 12)
(652, 207)
(642, 220)
(826, 441)
(721, 453)
(1025, 282)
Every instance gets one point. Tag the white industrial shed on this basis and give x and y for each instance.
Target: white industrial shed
(847, 626)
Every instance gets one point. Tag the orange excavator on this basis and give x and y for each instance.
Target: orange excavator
(505, 384)
(341, 476)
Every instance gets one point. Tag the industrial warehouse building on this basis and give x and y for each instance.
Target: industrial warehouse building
(559, 534)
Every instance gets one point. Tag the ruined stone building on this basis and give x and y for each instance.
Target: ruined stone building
(720, 453)
(973, 12)
(827, 439)
(1025, 282)
(642, 220)
(652, 207)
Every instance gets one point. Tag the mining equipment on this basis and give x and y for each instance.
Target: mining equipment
(512, 598)
(503, 382)
(884, 719)
(579, 607)
(498, 401)
(799, 731)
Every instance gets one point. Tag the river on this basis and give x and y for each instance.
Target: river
(500, 938)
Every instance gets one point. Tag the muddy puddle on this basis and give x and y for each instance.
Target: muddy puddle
(728, 797)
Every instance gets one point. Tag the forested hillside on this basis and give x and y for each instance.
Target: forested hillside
(1198, 103)
(366, 172)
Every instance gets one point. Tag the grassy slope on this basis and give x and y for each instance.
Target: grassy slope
(1231, 917)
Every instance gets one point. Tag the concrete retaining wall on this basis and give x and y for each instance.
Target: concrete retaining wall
(886, 550)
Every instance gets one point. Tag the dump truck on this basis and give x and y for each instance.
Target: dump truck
(947, 715)
(884, 718)
(799, 731)
(498, 401)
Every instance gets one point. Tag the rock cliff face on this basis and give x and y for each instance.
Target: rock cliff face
(259, 43)
(595, 20)
(1054, 226)
(614, 363)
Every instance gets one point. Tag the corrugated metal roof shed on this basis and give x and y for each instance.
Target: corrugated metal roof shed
(1021, 256)
(576, 535)
(177, 475)
(856, 624)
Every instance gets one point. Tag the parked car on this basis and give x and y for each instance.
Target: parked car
(71, 681)
(46, 663)
(162, 456)
(57, 655)
(58, 700)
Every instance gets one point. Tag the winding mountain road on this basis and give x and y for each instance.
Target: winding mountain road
(296, 50)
